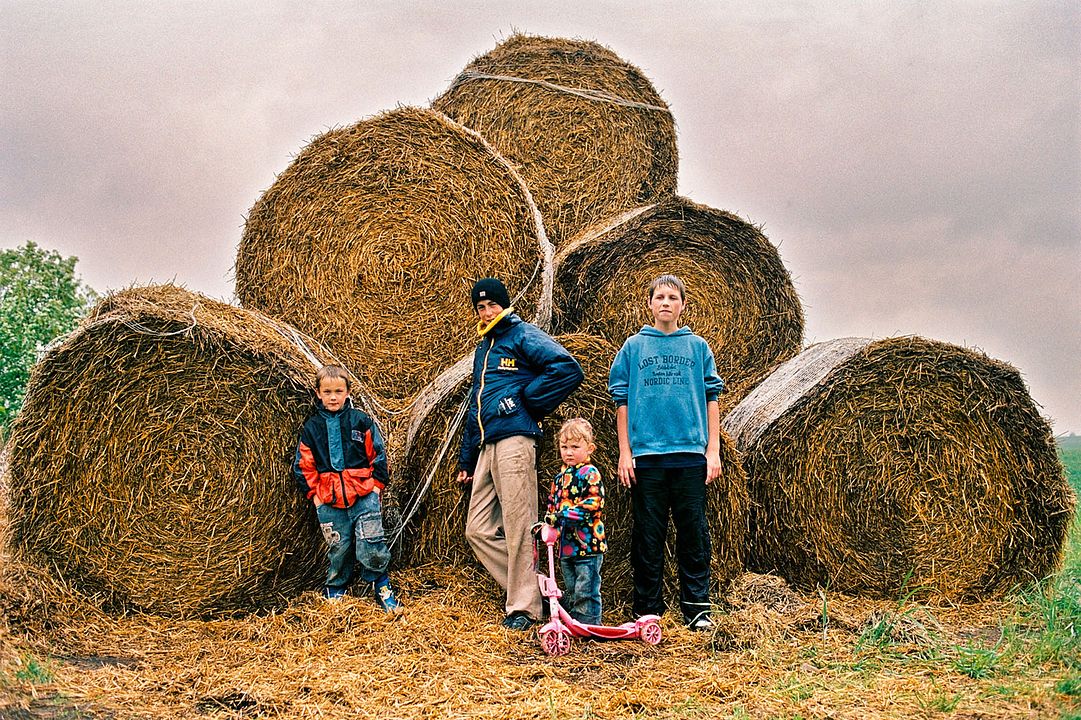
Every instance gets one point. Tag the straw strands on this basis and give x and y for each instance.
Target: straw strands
(901, 464)
(434, 503)
(740, 296)
(372, 237)
(448, 657)
(588, 131)
(150, 464)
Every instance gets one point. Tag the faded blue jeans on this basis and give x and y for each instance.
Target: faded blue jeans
(582, 587)
(354, 534)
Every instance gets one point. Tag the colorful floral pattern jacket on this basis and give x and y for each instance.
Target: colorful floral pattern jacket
(575, 506)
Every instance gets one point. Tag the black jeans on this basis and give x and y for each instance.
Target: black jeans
(683, 492)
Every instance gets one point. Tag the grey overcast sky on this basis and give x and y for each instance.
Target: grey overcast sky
(917, 163)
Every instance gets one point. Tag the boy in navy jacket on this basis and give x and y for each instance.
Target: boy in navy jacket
(341, 467)
(665, 386)
(520, 374)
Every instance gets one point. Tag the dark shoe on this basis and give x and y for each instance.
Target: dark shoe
(701, 623)
(384, 596)
(333, 593)
(518, 621)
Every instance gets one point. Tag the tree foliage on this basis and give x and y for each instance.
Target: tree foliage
(40, 300)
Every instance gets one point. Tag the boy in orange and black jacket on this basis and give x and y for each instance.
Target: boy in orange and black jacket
(341, 467)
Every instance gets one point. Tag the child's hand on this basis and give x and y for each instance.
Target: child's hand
(626, 469)
(464, 478)
(713, 467)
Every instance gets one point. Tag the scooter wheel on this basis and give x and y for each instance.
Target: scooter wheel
(556, 643)
(650, 632)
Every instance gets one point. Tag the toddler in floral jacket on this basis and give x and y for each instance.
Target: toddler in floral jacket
(576, 506)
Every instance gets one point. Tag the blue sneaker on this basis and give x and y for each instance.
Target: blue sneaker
(384, 596)
(333, 593)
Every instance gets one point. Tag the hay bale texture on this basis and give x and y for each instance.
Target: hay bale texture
(881, 467)
(373, 236)
(590, 134)
(150, 463)
(433, 503)
(436, 531)
(740, 295)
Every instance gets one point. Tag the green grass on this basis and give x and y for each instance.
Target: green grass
(1047, 628)
(1069, 450)
(939, 701)
(978, 662)
(1041, 637)
(1069, 686)
(32, 670)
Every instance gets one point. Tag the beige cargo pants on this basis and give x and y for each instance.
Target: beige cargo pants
(502, 508)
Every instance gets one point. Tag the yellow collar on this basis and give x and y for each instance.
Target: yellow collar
(483, 329)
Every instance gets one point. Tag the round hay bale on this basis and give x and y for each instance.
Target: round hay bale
(589, 132)
(373, 236)
(882, 467)
(740, 296)
(151, 461)
(436, 531)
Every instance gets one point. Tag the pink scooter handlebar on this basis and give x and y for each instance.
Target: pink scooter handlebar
(547, 534)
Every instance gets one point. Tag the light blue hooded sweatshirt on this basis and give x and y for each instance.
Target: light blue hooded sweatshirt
(665, 381)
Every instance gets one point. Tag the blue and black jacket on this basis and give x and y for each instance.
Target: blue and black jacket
(340, 456)
(520, 374)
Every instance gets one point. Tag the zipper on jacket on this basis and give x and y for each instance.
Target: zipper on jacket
(480, 390)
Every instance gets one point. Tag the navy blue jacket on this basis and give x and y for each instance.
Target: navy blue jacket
(520, 374)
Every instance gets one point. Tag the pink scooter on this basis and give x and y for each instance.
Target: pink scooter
(555, 636)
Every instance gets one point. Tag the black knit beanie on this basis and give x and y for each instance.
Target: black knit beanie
(491, 289)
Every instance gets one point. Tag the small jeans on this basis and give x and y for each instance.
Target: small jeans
(582, 587)
(354, 534)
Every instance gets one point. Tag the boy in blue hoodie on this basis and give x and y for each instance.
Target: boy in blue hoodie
(665, 386)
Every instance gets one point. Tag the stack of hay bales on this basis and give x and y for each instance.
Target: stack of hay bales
(741, 296)
(412, 207)
(150, 464)
(152, 456)
(371, 239)
(589, 132)
(435, 533)
(882, 467)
